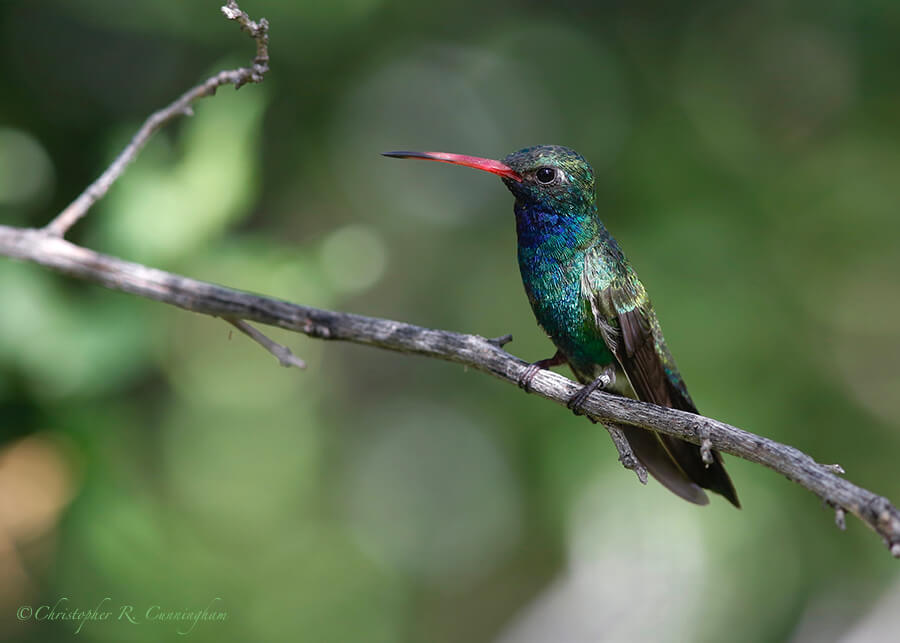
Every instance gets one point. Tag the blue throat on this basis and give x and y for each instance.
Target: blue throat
(539, 225)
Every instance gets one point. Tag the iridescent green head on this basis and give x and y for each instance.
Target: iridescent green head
(551, 174)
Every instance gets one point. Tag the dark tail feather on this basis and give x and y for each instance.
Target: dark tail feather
(656, 458)
(679, 466)
(712, 477)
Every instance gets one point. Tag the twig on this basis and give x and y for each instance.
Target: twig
(626, 455)
(501, 341)
(182, 106)
(840, 518)
(284, 355)
(471, 350)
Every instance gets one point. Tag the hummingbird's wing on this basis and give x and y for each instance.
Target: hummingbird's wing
(625, 318)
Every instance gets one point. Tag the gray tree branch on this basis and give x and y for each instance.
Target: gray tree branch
(259, 31)
(474, 351)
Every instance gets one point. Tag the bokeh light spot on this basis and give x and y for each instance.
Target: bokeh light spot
(26, 173)
(353, 257)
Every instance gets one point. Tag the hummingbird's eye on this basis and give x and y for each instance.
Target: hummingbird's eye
(545, 175)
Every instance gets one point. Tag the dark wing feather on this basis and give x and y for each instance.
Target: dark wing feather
(639, 358)
(625, 316)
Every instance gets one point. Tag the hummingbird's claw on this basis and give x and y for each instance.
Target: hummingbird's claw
(524, 380)
(576, 402)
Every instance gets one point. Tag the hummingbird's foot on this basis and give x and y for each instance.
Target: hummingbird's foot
(576, 402)
(532, 370)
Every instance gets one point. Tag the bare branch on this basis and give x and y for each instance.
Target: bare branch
(470, 350)
(182, 106)
(260, 33)
(626, 455)
(284, 355)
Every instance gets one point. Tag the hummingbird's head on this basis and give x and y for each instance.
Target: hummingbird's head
(552, 176)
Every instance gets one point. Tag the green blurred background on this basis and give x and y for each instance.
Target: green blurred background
(748, 157)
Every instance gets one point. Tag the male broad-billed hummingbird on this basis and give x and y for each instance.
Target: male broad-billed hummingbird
(588, 299)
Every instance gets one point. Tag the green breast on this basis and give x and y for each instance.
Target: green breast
(554, 290)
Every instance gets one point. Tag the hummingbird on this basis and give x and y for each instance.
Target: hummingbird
(589, 301)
